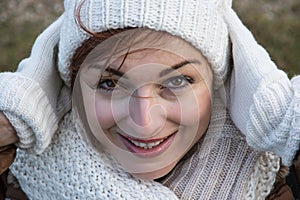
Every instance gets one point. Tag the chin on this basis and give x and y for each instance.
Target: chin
(155, 174)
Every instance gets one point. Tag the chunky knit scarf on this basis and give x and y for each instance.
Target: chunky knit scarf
(220, 166)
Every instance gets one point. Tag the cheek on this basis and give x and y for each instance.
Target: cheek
(192, 109)
(104, 113)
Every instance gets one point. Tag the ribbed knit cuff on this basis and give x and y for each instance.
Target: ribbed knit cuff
(26, 106)
(274, 120)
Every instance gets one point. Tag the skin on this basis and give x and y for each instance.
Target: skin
(8, 134)
(8, 137)
(146, 101)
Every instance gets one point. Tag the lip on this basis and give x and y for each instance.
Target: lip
(145, 141)
(147, 153)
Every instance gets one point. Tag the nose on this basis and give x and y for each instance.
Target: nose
(140, 104)
(146, 115)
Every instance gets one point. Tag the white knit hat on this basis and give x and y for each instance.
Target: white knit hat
(199, 22)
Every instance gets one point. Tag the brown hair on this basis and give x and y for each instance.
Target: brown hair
(96, 38)
(87, 46)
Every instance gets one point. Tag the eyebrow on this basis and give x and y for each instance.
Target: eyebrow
(114, 71)
(177, 66)
(162, 73)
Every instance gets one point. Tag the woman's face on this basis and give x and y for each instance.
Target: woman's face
(150, 111)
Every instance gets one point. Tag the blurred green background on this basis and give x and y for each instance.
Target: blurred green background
(275, 24)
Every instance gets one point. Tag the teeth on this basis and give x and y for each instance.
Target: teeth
(149, 145)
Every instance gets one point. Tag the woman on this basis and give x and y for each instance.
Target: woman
(214, 162)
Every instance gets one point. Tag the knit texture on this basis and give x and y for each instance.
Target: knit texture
(70, 169)
(23, 111)
(32, 98)
(224, 173)
(198, 22)
(272, 124)
(260, 180)
(269, 99)
(223, 166)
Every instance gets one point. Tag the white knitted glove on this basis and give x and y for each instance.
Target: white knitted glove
(264, 103)
(29, 96)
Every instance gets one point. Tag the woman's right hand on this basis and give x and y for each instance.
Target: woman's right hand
(8, 137)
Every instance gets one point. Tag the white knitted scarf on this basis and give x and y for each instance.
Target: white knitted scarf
(219, 171)
(220, 166)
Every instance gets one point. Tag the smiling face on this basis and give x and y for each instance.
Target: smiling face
(151, 105)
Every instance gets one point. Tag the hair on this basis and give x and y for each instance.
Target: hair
(97, 38)
(87, 46)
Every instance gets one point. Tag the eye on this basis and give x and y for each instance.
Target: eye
(177, 82)
(107, 84)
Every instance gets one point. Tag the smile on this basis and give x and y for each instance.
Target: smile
(148, 148)
(149, 145)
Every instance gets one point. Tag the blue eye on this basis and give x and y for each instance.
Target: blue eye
(178, 82)
(107, 84)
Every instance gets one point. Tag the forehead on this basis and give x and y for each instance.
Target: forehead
(148, 56)
(140, 42)
(150, 51)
